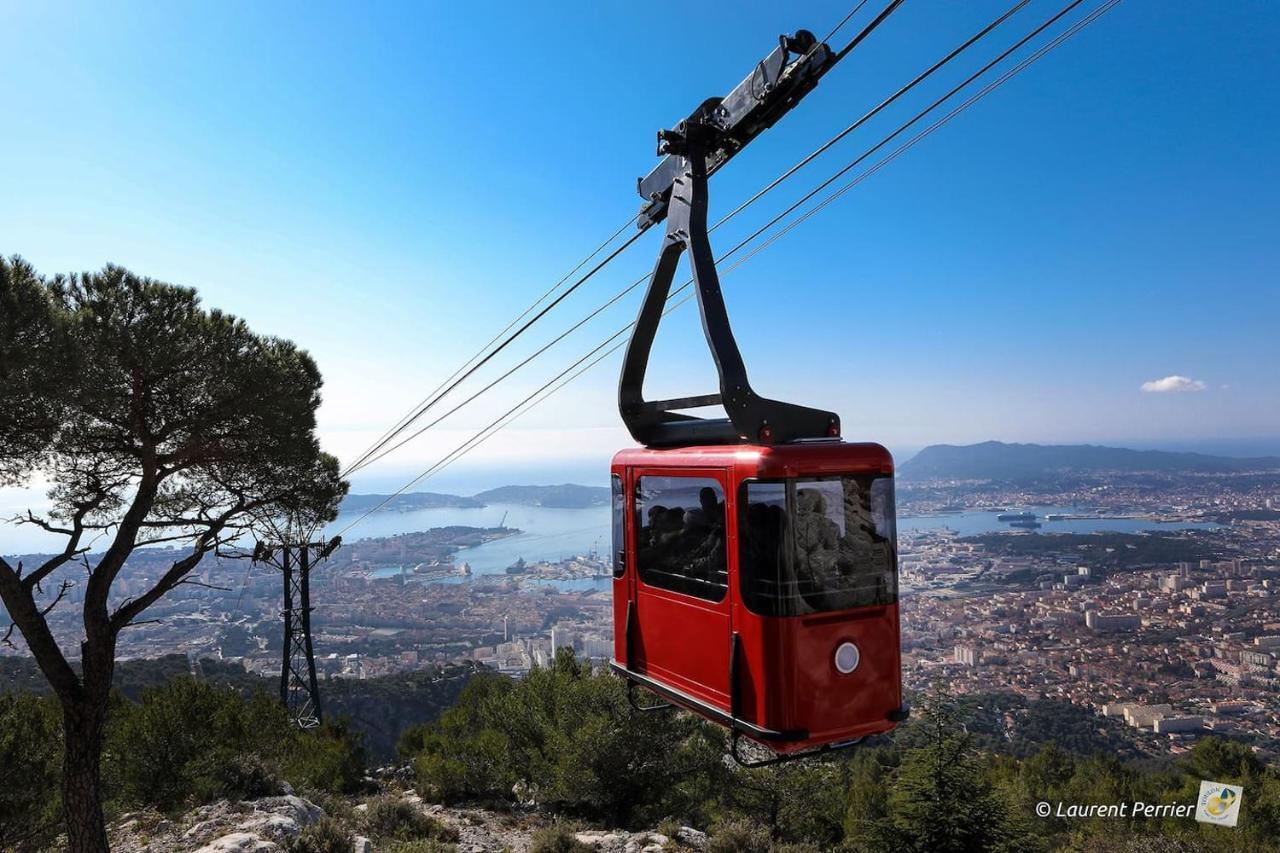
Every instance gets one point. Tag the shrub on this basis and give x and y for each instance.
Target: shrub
(566, 738)
(324, 836)
(739, 836)
(557, 838)
(30, 765)
(189, 742)
(330, 758)
(391, 819)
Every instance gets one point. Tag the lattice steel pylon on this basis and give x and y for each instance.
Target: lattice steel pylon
(299, 689)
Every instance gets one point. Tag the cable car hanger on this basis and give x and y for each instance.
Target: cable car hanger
(676, 190)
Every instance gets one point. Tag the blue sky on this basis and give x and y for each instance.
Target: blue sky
(389, 184)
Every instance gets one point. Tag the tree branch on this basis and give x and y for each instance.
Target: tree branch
(75, 534)
(62, 591)
(18, 600)
(207, 541)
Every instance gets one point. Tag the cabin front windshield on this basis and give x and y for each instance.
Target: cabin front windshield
(813, 546)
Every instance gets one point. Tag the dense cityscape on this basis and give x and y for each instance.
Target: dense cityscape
(1171, 631)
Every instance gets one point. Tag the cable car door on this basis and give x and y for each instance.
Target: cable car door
(680, 584)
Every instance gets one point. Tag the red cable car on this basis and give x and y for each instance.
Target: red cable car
(755, 564)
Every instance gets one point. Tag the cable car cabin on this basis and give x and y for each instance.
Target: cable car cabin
(755, 564)
(757, 586)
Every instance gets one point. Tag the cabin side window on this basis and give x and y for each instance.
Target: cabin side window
(680, 538)
(813, 546)
(619, 501)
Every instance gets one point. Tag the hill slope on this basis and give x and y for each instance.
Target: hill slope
(408, 502)
(566, 496)
(995, 460)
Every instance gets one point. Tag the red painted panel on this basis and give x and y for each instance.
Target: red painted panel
(684, 642)
(787, 678)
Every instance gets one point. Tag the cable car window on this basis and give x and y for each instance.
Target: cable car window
(812, 546)
(680, 535)
(619, 514)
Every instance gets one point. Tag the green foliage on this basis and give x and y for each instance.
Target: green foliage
(30, 758)
(566, 738)
(329, 758)
(561, 738)
(324, 836)
(941, 801)
(390, 818)
(557, 838)
(191, 742)
(739, 836)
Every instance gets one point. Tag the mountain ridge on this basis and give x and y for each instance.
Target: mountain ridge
(996, 460)
(562, 496)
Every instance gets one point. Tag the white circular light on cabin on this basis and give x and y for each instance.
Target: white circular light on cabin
(847, 658)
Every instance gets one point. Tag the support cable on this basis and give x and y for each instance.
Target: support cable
(381, 448)
(546, 390)
(426, 401)
(480, 359)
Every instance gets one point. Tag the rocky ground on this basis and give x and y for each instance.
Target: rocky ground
(268, 824)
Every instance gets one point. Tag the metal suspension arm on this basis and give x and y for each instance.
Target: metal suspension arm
(693, 147)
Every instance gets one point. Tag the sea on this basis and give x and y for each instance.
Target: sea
(549, 533)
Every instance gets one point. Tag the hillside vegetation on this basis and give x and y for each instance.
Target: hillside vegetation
(564, 745)
(377, 709)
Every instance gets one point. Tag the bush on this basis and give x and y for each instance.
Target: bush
(557, 838)
(188, 742)
(330, 758)
(30, 765)
(324, 836)
(566, 738)
(391, 819)
(739, 836)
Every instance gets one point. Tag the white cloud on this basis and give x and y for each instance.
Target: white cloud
(1173, 384)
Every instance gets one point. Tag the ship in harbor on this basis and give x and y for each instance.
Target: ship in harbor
(518, 567)
(1025, 515)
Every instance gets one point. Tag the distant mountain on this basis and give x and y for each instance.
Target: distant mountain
(995, 460)
(567, 496)
(408, 501)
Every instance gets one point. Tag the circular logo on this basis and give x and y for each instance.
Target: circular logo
(847, 658)
(1217, 805)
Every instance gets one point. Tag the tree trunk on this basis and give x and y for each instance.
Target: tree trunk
(82, 726)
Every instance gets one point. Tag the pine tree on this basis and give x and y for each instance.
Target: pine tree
(942, 801)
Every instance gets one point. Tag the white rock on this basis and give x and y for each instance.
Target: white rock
(275, 826)
(694, 838)
(303, 811)
(239, 842)
(360, 844)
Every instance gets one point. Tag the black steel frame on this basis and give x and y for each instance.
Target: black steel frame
(677, 191)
